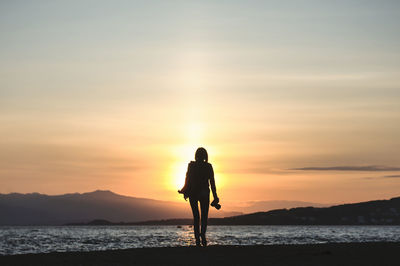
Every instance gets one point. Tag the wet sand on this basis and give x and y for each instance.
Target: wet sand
(321, 254)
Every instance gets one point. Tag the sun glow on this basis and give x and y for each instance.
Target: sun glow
(183, 155)
(194, 137)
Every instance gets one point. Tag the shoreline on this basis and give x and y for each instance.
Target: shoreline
(367, 253)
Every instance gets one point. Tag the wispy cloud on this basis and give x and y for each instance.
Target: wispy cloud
(380, 177)
(369, 168)
(392, 176)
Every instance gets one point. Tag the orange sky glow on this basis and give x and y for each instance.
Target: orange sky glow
(291, 103)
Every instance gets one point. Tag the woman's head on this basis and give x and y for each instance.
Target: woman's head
(201, 155)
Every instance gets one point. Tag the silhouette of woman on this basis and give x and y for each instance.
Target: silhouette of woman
(199, 176)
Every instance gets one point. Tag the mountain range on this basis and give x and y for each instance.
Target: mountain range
(103, 206)
(40, 209)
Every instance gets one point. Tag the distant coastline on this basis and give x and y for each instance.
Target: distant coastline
(379, 212)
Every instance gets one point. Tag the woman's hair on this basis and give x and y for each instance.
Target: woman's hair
(201, 155)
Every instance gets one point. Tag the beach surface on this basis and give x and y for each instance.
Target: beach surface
(319, 254)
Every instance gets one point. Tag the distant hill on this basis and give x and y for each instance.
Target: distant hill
(268, 205)
(106, 207)
(371, 212)
(39, 209)
(379, 212)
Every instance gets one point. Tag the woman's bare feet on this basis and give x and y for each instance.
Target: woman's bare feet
(204, 241)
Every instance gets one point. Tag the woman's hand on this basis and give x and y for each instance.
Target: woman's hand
(215, 203)
(185, 196)
(216, 199)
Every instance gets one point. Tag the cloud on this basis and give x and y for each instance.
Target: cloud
(392, 176)
(369, 168)
(380, 177)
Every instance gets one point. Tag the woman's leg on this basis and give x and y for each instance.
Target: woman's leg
(196, 219)
(204, 206)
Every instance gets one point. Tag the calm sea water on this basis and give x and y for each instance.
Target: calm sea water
(40, 239)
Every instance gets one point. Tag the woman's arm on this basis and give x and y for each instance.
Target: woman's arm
(185, 188)
(212, 183)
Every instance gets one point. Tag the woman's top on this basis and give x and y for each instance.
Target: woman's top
(198, 177)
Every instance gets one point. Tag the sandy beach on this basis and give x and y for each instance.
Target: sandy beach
(321, 254)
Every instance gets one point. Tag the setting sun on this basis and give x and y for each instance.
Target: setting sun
(182, 156)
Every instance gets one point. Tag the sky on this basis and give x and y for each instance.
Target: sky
(294, 100)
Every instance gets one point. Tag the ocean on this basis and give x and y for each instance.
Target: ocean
(43, 239)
